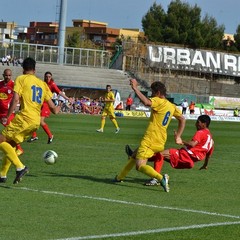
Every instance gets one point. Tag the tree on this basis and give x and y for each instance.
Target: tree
(73, 40)
(237, 38)
(213, 35)
(182, 24)
(77, 40)
(153, 23)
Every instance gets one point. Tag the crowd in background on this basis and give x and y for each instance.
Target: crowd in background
(11, 60)
(82, 104)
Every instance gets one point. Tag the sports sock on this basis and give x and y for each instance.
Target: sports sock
(102, 123)
(130, 164)
(18, 146)
(34, 134)
(158, 162)
(11, 155)
(149, 171)
(47, 130)
(114, 121)
(5, 166)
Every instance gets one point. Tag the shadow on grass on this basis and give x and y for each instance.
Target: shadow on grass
(129, 182)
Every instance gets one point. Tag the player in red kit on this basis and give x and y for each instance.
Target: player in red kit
(45, 111)
(199, 148)
(6, 94)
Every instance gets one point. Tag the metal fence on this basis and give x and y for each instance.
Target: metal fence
(50, 54)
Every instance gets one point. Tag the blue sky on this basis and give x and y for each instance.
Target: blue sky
(117, 13)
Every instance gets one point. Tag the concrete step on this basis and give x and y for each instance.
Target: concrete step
(73, 76)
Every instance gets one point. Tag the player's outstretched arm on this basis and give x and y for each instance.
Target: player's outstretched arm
(181, 126)
(54, 109)
(12, 107)
(204, 166)
(146, 101)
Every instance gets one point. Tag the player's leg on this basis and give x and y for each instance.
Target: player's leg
(180, 159)
(33, 138)
(103, 121)
(6, 163)
(143, 154)
(11, 155)
(112, 117)
(15, 132)
(45, 113)
(157, 165)
(19, 150)
(130, 152)
(130, 164)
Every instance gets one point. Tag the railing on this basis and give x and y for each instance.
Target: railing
(50, 54)
(115, 57)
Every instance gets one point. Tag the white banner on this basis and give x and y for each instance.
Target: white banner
(187, 59)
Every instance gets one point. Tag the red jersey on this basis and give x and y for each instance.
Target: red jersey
(53, 87)
(6, 94)
(204, 145)
(45, 112)
(129, 101)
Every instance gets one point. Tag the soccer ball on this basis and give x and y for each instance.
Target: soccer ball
(50, 157)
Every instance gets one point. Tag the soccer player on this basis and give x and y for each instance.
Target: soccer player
(199, 148)
(6, 94)
(30, 92)
(45, 112)
(155, 136)
(108, 110)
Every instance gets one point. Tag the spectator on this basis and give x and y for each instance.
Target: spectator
(129, 103)
(119, 106)
(192, 107)
(184, 106)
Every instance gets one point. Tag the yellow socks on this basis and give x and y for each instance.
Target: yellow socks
(114, 121)
(130, 164)
(11, 155)
(5, 167)
(102, 123)
(149, 171)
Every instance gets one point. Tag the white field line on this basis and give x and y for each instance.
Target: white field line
(128, 203)
(160, 230)
(135, 233)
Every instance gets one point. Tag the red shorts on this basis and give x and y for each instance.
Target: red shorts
(180, 158)
(45, 111)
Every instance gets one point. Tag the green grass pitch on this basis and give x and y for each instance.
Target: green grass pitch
(75, 199)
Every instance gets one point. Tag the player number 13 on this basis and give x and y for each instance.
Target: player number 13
(36, 94)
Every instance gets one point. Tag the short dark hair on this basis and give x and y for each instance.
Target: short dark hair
(205, 119)
(29, 64)
(159, 86)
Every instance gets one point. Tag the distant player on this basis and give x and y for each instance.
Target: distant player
(45, 112)
(6, 94)
(108, 110)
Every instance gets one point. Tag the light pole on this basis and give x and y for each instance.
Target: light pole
(62, 30)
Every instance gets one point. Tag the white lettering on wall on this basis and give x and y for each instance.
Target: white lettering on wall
(194, 60)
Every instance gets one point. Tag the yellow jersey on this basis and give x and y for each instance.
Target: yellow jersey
(109, 96)
(32, 92)
(162, 112)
